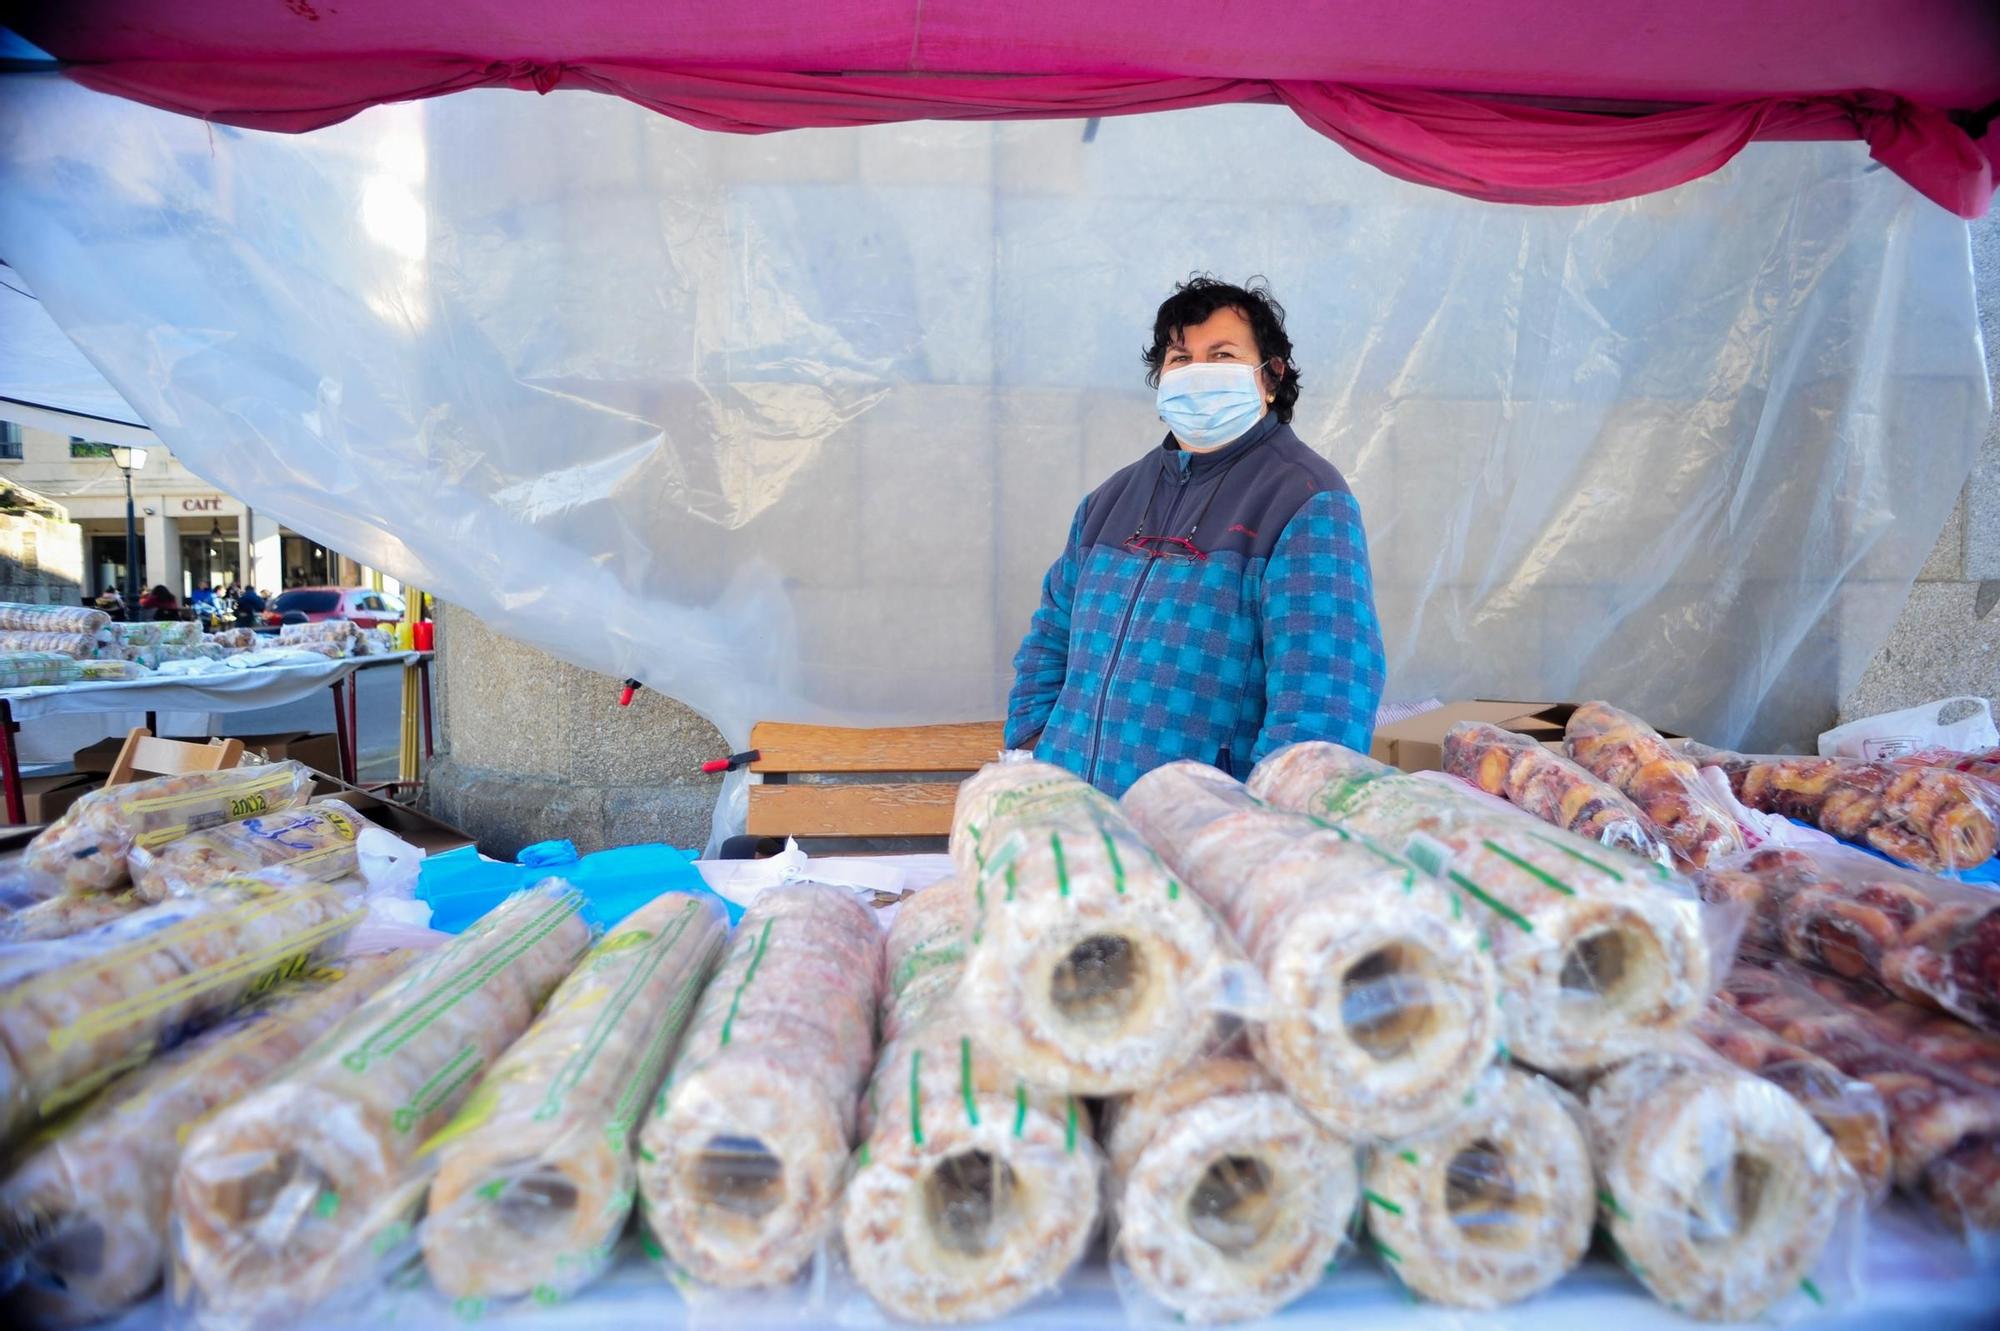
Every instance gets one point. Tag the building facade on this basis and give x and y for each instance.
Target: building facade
(191, 533)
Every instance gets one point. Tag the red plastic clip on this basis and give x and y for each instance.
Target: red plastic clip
(625, 696)
(731, 763)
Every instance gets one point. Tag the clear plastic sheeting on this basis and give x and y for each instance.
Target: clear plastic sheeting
(791, 426)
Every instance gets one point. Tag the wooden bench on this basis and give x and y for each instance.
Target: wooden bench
(146, 755)
(846, 784)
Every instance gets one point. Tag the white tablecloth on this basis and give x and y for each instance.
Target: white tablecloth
(233, 691)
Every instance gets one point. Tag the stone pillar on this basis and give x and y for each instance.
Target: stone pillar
(534, 749)
(1947, 640)
(260, 553)
(163, 550)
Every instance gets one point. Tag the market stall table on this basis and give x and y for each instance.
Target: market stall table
(246, 690)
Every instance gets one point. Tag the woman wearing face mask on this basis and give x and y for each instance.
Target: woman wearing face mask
(1213, 600)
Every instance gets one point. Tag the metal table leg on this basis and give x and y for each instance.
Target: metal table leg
(354, 727)
(340, 733)
(10, 765)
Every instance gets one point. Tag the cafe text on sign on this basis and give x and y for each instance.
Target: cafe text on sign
(205, 504)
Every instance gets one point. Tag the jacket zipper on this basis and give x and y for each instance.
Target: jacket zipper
(1118, 644)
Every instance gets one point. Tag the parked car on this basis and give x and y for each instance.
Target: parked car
(309, 605)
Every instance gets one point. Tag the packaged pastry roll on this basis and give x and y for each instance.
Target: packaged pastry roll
(1848, 1108)
(68, 913)
(77, 1011)
(1983, 765)
(1598, 953)
(1557, 791)
(1929, 940)
(1229, 1201)
(16, 617)
(83, 1210)
(1629, 754)
(1939, 1081)
(26, 670)
(1381, 998)
(88, 849)
(534, 1177)
(317, 840)
(972, 1192)
(1492, 1206)
(1929, 818)
(741, 1163)
(1721, 1193)
(77, 645)
(1094, 971)
(292, 1194)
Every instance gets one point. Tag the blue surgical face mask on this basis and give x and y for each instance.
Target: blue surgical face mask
(1209, 403)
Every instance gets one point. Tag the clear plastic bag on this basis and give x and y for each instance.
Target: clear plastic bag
(1929, 818)
(534, 1178)
(1380, 1008)
(78, 645)
(235, 640)
(1554, 789)
(89, 848)
(1227, 1200)
(332, 637)
(128, 634)
(77, 1011)
(1598, 953)
(1929, 940)
(18, 618)
(1720, 1193)
(740, 1163)
(318, 840)
(27, 670)
(1848, 1108)
(1493, 1206)
(83, 1210)
(1094, 970)
(303, 1190)
(68, 913)
(972, 1192)
(1629, 754)
(100, 672)
(1939, 1080)
(1983, 765)
(180, 633)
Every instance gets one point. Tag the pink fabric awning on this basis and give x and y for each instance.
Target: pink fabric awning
(1555, 102)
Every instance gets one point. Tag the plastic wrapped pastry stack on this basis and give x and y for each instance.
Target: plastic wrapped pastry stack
(1598, 954)
(973, 1191)
(535, 1175)
(317, 840)
(1096, 972)
(741, 1163)
(1632, 756)
(292, 1194)
(83, 1211)
(1549, 786)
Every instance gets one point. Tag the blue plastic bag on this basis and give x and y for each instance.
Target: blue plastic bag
(462, 885)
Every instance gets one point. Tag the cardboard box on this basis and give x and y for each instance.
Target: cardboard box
(432, 835)
(1417, 744)
(321, 752)
(47, 798)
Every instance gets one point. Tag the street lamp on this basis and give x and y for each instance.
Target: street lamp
(129, 460)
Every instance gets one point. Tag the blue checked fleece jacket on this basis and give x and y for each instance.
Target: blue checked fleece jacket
(1265, 637)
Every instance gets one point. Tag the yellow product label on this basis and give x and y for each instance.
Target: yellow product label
(249, 806)
(623, 941)
(477, 1112)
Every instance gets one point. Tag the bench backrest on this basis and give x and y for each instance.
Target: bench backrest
(838, 781)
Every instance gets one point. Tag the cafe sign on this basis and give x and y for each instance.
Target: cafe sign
(203, 504)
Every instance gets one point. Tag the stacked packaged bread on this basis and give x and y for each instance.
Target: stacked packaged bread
(1721, 1193)
(1549, 786)
(1096, 972)
(89, 848)
(27, 670)
(1494, 1204)
(1380, 1010)
(318, 840)
(1228, 1201)
(1928, 940)
(1630, 755)
(742, 1161)
(68, 913)
(83, 1212)
(1939, 1081)
(1848, 1108)
(973, 1192)
(1598, 953)
(18, 618)
(76, 645)
(77, 1011)
(293, 1193)
(1929, 818)
(534, 1177)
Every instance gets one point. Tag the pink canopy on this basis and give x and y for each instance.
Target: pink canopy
(1545, 101)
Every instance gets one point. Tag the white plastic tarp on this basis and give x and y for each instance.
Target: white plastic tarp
(46, 382)
(791, 426)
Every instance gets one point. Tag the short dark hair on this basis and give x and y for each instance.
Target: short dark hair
(1202, 295)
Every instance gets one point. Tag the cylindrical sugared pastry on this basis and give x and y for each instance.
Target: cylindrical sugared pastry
(1720, 1191)
(66, 914)
(534, 1176)
(972, 1191)
(279, 1200)
(1598, 953)
(1091, 969)
(77, 1011)
(1230, 1202)
(1551, 787)
(1618, 747)
(1495, 1205)
(1381, 1010)
(740, 1168)
(83, 1214)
